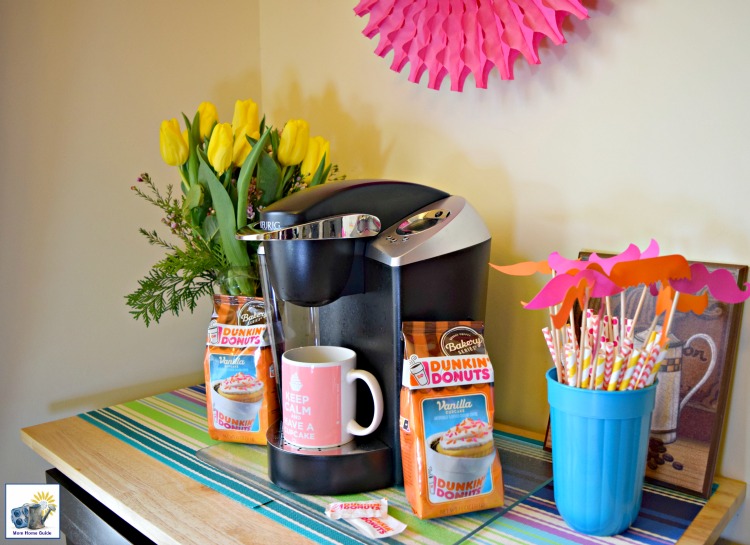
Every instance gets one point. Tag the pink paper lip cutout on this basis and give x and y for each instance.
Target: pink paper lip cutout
(557, 288)
(720, 283)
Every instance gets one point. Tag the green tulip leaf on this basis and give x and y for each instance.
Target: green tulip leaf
(275, 143)
(210, 228)
(194, 197)
(269, 179)
(234, 249)
(321, 174)
(197, 216)
(193, 142)
(246, 173)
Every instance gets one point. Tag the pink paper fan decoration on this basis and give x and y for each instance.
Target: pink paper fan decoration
(456, 38)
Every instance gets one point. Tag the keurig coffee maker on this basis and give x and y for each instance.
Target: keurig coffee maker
(344, 264)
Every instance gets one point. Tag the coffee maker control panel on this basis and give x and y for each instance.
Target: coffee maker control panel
(440, 228)
(422, 221)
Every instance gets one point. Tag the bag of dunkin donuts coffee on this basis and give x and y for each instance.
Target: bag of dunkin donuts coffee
(450, 462)
(241, 398)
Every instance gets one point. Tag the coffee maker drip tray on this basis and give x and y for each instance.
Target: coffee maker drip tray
(358, 466)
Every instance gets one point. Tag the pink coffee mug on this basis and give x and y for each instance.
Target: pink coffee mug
(319, 396)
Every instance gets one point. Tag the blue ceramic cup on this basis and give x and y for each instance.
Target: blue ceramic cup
(599, 448)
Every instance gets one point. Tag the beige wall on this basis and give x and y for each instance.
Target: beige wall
(636, 129)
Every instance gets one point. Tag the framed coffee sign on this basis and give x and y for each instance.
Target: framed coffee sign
(692, 389)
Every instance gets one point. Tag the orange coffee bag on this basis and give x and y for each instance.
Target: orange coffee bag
(241, 394)
(450, 462)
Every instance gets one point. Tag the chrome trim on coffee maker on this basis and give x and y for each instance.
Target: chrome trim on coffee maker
(333, 227)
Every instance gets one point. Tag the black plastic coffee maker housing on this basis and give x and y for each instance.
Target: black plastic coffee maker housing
(352, 260)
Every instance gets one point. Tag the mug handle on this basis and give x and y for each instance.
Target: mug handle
(377, 397)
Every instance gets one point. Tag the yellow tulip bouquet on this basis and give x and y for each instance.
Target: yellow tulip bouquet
(229, 172)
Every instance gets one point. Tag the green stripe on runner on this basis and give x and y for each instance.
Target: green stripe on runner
(170, 422)
(190, 406)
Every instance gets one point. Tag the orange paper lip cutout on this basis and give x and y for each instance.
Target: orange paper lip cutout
(526, 268)
(649, 271)
(685, 303)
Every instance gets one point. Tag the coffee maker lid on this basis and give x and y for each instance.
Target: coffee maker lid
(388, 200)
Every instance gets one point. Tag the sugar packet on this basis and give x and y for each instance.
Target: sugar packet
(377, 527)
(357, 509)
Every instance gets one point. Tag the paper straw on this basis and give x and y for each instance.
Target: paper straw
(627, 348)
(616, 331)
(628, 328)
(553, 352)
(550, 344)
(648, 366)
(570, 364)
(610, 329)
(632, 362)
(620, 367)
(599, 374)
(609, 360)
(643, 360)
(556, 336)
(657, 366)
(587, 371)
(615, 378)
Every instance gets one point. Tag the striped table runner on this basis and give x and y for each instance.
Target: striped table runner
(172, 428)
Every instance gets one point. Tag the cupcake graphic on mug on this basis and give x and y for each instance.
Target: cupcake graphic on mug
(295, 382)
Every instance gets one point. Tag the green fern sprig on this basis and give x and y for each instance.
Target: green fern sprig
(186, 274)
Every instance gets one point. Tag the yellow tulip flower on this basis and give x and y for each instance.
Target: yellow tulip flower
(245, 117)
(220, 148)
(293, 142)
(174, 148)
(242, 147)
(316, 148)
(208, 117)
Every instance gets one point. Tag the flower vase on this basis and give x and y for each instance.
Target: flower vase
(238, 281)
